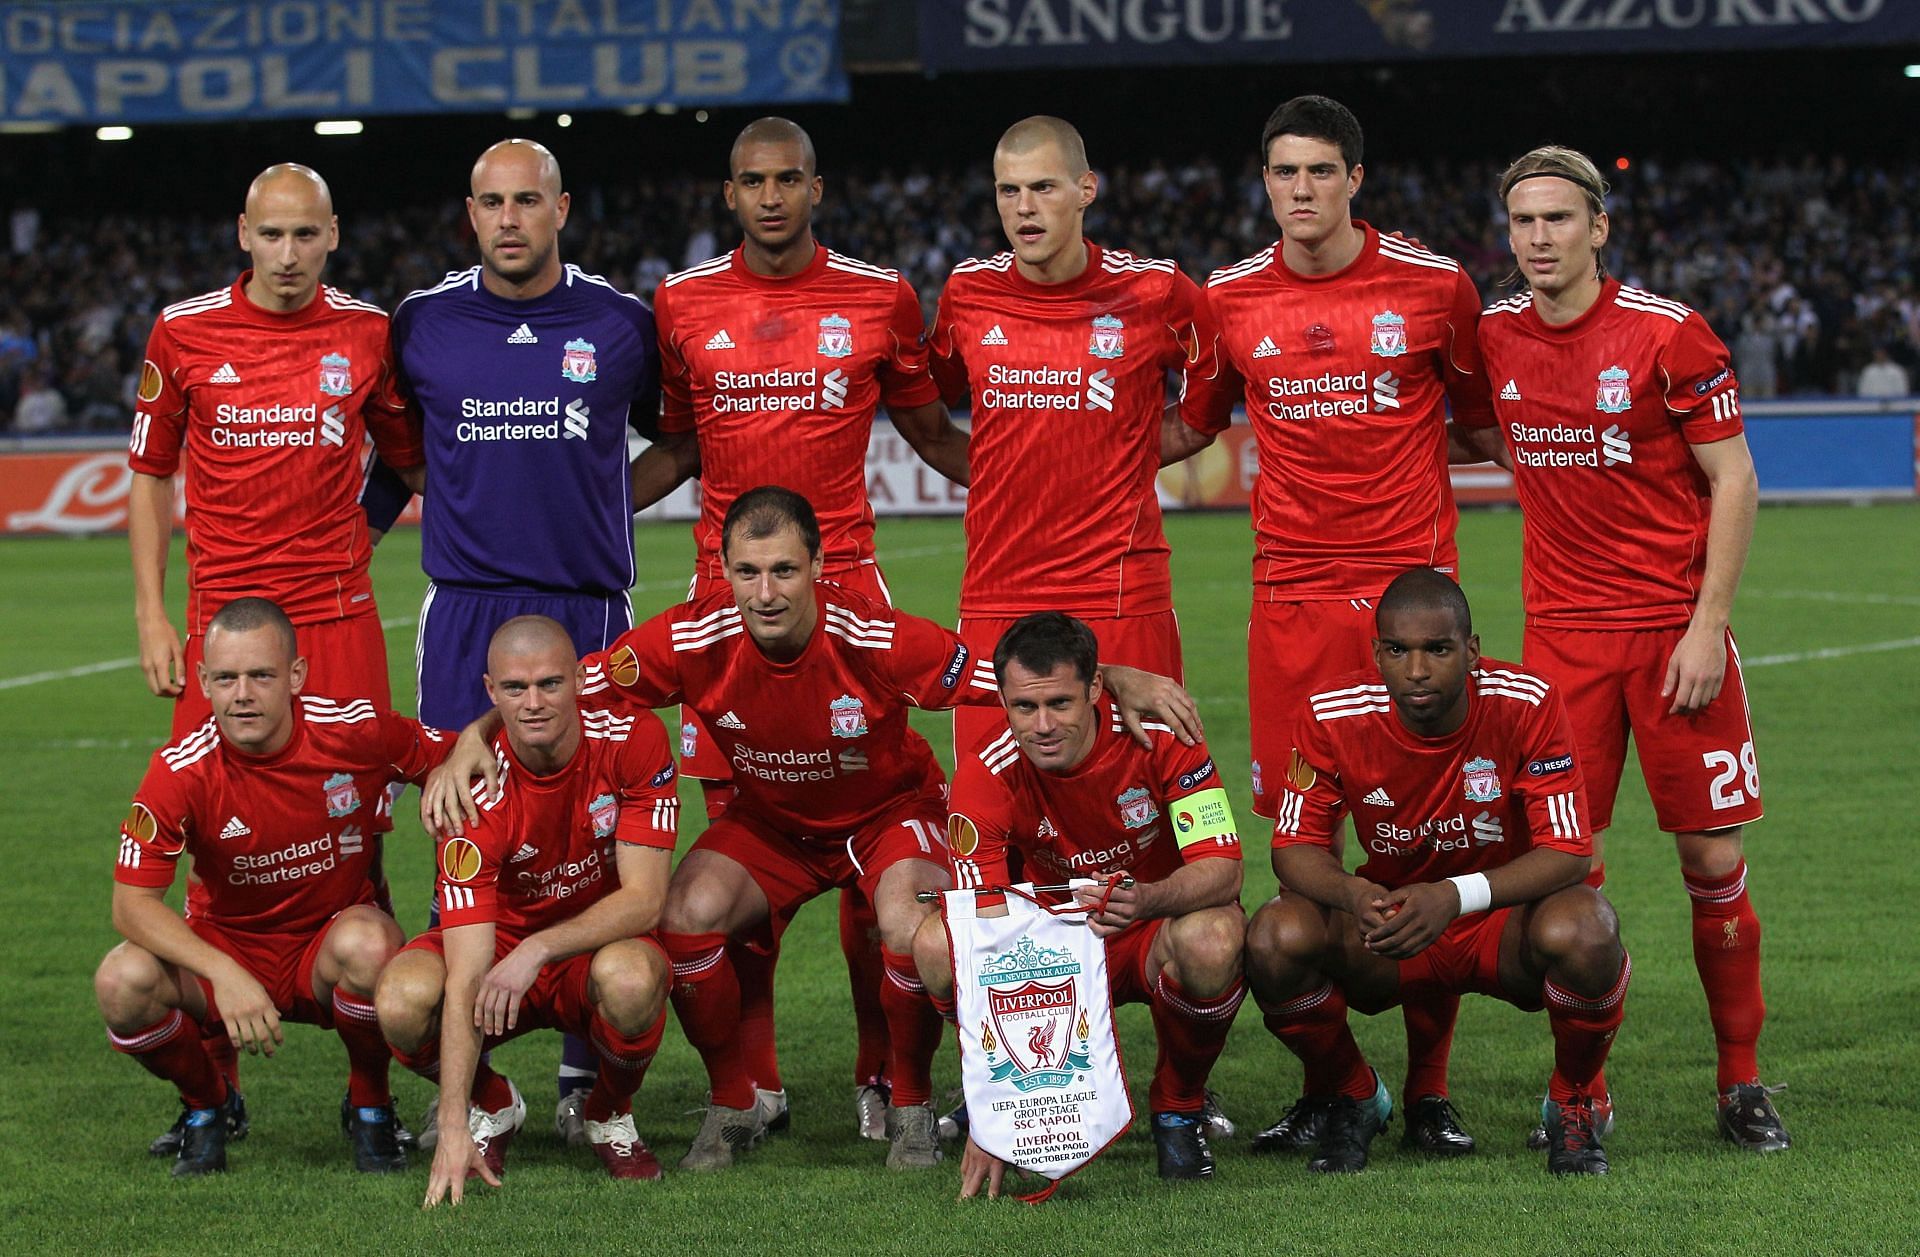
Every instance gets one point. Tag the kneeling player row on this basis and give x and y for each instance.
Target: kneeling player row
(558, 908)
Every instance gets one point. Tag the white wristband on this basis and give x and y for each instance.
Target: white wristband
(1476, 893)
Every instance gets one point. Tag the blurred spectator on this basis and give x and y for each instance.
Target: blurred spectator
(1883, 377)
(41, 407)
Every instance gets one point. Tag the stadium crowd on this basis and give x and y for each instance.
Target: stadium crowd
(1806, 266)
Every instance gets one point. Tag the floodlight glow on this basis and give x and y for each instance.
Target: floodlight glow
(339, 126)
(564, 120)
(113, 133)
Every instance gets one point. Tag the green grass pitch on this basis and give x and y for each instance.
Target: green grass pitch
(1833, 877)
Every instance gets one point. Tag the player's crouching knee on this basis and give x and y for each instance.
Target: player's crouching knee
(629, 983)
(932, 957)
(126, 985)
(361, 942)
(407, 999)
(1281, 939)
(1576, 930)
(1207, 948)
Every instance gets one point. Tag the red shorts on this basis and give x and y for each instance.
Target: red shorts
(558, 998)
(1149, 642)
(345, 659)
(699, 756)
(1465, 959)
(1127, 954)
(1700, 769)
(791, 869)
(1293, 650)
(282, 963)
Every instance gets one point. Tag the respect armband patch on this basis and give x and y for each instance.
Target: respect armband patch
(1204, 817)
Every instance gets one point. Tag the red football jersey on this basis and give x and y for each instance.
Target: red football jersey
(1600, 414)
(274, 413)
(542, 851)
(1068, 384)
(1428, 808)
(1121, 810)
(778, 379)
(820, 745)
(279, 841)
(1346, 379)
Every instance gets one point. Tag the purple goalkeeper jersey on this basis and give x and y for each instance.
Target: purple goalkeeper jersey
(526, 407)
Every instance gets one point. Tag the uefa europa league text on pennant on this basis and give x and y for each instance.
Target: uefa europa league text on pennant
(1038, 1058)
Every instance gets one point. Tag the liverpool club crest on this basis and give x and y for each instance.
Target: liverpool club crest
(836, 337)
(605, 814)
(1109, 337)
(336, 375)
(1389, 334)
(1613, 397)
(576, 362)
(1483, 780)
(847, 717)
(343, 797)
(1037, 1029)
(1136, 808)
(689, 740)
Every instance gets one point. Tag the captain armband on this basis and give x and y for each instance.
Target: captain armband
(1204, 817)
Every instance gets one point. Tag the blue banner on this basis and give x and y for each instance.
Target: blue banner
(179, 62)
(1015, 34)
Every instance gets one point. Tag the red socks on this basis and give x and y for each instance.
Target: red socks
(1314, 1028)
(1583, 1030)
(913, 1028)
(1430, 1018)
(1726, 951)
(706, 998)
(1191, 1034)
(171, 1049)
(860, 944)
(623, 1064)
(368, 1058)
(753, 969)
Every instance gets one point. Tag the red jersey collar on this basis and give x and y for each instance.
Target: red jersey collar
(811, 270)
(1071, 288)
(1369, 246)
(294, 741)
(1609, 289)
(543, 781)
(307, 312)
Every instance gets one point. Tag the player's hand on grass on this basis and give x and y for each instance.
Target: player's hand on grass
(496, 1009)
(1694, 671)
(1143, 696)
(455, 1160)
(252, 1021)
(979, 1169)
(1122, 907)
(446, 801)
(1415, 916)
(162, 661)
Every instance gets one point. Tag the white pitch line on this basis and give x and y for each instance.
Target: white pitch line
(1828, 595)
(64, 674)
(1831, 652)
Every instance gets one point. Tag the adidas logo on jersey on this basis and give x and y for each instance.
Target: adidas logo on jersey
(1266, 348)
(523, 335)
(1378, 797)
(526, 852)
(720, 340)
(225, 375)
(994, 336)
(731, 721)
(1511, 393)
(235, 828)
